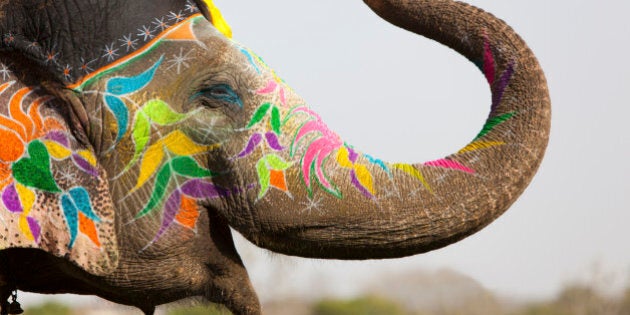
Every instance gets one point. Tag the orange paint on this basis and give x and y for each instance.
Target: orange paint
(188, 213)
(277, 180)
(5, 175)
(15, 108)
(33, 112)
(147, 47)
(87, 227)
(181, 33)
(11, 146)
(5, 86)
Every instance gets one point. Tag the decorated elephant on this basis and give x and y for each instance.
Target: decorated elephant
(135, 134)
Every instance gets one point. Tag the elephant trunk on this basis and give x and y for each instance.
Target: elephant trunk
(347, 205)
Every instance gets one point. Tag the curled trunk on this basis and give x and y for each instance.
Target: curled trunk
(374, 209)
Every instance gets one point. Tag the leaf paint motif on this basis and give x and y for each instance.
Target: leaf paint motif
(77, 201)
(154, 111)
(259, 115)
(413, 172)
(121, 86)
(187, 166)
(34, 170)
(177, 143)
(159, 190)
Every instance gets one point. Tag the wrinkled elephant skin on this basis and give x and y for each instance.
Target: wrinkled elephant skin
(130, 147)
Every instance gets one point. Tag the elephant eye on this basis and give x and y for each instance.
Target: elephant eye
(220, 92)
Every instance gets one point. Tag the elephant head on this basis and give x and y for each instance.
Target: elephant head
(133, 138)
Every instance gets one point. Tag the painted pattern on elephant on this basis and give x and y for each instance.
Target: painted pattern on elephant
(135, 139)
(170, 160)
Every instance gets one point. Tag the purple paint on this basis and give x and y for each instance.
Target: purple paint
(35, 228)
(170, 211)
(254, 141)
(11, 199)
(502, 85)
(353, 155)
(200, 189)
(273, 141)
(84, 165)
(357, 184)
(59, 137)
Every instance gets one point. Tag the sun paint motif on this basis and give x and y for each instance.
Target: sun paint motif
(30, 144)
(46, 179)
(46, 182)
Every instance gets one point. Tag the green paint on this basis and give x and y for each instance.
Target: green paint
(187, 166)
(259, 114)
(276, 163)
(264, 177)
(153, 111)
(160, 113)
(141, 135)
(161, 182)
(493, 123)
(34, 170)
(275, 120)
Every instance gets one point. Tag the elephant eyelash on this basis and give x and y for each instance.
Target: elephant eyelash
(221, 93)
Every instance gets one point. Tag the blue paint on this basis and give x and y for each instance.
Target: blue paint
(81, 199)
(120, 86)
(120, 111)
(251, 59)
(74, 201)
(128, 85)
(379, 163)
(221, 92)
(71, 213)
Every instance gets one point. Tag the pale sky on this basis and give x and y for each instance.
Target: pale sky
(405, 98)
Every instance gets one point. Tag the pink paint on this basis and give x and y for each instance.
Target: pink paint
(450, 164)
(271, 86)
(488, 62)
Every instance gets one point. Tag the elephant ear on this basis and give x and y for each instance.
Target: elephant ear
(53, 193)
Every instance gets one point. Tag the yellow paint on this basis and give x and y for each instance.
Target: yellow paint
(27, 197)
(343, 158)
(478, 145)
(25, 228)
(365, 177)
(217, 19)
(88, 156)
(414, 172)
(177, 143)
(150, 162)
(56, 150)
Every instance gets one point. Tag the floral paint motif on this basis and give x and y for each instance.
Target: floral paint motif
(31, 144)
(314, 143)
(271, 167)
(167, 167)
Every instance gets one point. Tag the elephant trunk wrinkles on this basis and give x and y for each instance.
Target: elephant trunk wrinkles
(374, 209)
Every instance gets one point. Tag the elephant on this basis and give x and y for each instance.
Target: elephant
(137, 134)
